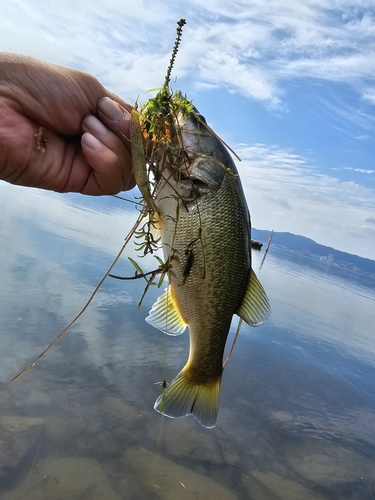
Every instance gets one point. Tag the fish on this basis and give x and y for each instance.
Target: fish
(205, 228)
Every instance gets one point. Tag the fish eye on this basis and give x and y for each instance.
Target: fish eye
(201, 117)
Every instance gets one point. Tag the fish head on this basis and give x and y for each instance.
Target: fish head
(203, 161)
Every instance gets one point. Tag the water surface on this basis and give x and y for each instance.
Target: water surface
(297, 411)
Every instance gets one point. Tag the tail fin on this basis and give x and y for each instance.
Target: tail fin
(186, 397)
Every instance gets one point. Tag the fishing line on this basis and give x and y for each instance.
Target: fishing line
(49, 415)
(125, 199)
(70, 354)
(33, 363)
(129, 236)
(234, 342)
(267, 248)
(157, 452)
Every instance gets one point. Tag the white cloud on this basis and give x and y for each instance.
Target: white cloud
(248, 46)
(318, 206)
(220, 67)
(280, 201)
(364, 171)
(369, 95)
(362, 137)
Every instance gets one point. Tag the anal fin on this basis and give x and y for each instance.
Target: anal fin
(165, 315)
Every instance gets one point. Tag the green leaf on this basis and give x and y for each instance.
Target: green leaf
(161, 280)
(161, 262)
(136, 265)
(156, 89)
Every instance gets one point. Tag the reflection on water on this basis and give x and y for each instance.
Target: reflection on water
(297, 412)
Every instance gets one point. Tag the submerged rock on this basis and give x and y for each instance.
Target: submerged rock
(62, 429)
(119, 409)
(330, 465)
(205, 447)
(17, 436)
(256, 490)
(285, 489)
(63, 479)
(155, 477)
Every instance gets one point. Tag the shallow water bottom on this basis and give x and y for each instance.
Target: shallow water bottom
(91, 442)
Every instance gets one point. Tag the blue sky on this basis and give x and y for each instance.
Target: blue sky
(289, 84)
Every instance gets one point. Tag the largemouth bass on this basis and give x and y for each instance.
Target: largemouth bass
(206, 236)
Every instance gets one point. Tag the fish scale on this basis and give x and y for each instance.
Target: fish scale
(205, 298)
(206, 235)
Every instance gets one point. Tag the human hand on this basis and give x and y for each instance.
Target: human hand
(60, 129)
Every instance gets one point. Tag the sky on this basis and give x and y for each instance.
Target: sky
(288, 84)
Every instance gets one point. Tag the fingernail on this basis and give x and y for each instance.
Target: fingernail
(92, 142)
(95, 126)
(111, 109)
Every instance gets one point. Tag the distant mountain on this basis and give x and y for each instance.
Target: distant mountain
(308, 247)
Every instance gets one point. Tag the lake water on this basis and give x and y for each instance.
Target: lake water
(297, 411)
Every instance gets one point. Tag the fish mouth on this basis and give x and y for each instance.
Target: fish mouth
(190, 189)
(193, 181)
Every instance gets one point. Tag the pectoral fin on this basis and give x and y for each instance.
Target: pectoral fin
(166, 316)
(255, 308)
